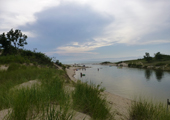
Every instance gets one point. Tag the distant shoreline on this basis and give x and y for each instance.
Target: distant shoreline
(140, 66)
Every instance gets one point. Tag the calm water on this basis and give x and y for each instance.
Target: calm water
(129, 82)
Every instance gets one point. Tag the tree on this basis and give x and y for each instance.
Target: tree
(158, 56)
(147, 57)
(4, 43)
(17, 38)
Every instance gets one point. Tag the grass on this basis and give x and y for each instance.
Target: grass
(87, 99)
(28, 102)
(143, 109)
(47, 100)
(26, 56)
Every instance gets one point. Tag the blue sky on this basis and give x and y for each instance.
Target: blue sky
(90, 30)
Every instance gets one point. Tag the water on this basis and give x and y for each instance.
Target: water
(129, 82)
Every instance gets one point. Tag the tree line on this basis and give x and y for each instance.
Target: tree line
(157, 56)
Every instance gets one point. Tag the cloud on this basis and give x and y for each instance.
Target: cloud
(134, 19)
(70, 27)
(14, 13)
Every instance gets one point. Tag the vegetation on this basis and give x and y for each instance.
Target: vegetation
(26, 56)
(147, 57)
(141, 109)
(30, 103)
(159, 61)
(87, 99)
(106, 62)
(11, 41)
(11, 45)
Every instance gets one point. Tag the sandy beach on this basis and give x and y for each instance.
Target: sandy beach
(71, 73)
(119, 105)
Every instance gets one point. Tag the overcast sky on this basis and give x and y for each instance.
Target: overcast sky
(90, 30)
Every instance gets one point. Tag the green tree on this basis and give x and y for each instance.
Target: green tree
(4, 43)
(147, 57)
(158, 56)
(12, 41)
(17, 38)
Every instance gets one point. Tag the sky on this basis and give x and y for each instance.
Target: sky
(74, 31)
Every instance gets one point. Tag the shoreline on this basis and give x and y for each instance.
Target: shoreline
(145, 67)
(119, 105)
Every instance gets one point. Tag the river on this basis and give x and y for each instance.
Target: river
(129, 82)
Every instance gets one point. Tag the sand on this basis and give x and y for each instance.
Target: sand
(3, 67)
(119, 105)
(71, 73)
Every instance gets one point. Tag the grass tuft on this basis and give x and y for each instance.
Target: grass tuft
(143, 109)
(87, 99)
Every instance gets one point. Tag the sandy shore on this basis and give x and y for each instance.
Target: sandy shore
(119, 105)
(71, 73)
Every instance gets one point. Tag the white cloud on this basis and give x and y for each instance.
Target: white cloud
(15, 13)
(132, 20)
(84, 47)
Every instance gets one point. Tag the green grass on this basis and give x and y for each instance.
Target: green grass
(87, 99)
(143, 109)
(48, 100)
(13, 59)
(28, 103)
(26, 56)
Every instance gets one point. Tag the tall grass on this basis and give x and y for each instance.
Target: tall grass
(40, 102)
(37, 101)
(17, 74)
(143, 109)
(87, 99)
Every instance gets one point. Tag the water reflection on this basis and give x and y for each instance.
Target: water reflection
(148, 74)
(159, 75)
